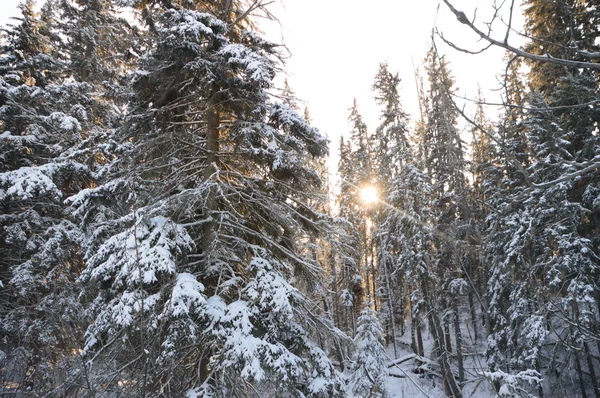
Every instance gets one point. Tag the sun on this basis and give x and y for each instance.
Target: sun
(369, 194)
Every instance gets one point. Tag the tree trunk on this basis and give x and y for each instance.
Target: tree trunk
(368, 276)
(413, 331)
(458, 336)
(473, 314)
(580, 374)
(402, 309)
(540, 386)
(373, 273)
(391, 309)
(212, 148)
(447, 339)
(450, 386)
(420, 338)
(334, 288)
(592, 369)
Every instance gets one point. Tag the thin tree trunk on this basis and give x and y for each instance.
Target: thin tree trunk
(353, 319)
(338, 349)
(334, 288)
(447, 339)
(212, 148)
(368, 276)
(458, 336)
(576, 354)
(450, 386)
(373, 273)
(580, 374)
(592, 369)
(420, 338)
(402, 309)
(588, 355)
(391, 309)
(597, 323)
(473, 314)
(413, 331)
(485, 315)
(540, 387)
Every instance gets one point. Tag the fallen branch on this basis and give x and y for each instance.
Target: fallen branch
(416, 357)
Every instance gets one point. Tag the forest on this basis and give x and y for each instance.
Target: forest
(169, 226)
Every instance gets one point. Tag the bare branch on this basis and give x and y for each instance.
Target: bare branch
(540, 58)
(454, 46)
(593, 165)
(527, 108)
(510, 16)
(509, 155)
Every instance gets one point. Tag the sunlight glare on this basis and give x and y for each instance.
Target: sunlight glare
(369, 194)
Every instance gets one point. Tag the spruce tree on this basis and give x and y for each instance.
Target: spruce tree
(445, 167)
(352, 290)
(356, 171)
(194, 283)
(394, 155)
(370, 371)
(45, 115)
(540, 235)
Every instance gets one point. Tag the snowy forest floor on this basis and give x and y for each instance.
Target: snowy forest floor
(406, 380)
(412, 376)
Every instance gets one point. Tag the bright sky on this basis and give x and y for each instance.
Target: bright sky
(8, 9)
(337, 45)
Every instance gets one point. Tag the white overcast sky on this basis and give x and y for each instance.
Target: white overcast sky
(337, 45)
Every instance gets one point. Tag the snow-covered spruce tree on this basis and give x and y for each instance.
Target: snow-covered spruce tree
(353, 162)
(501, 182)
(362, 174)
(552, 303)
(101, 47)
(370, 371)
(193, 288)
(486, 171)
(406, 245)
(391, 136)
(574, 126)
(57, 142)
(361, 143)
(547, 224)
(445, 167)
(393, 154)
(44, 115)
(327, 249)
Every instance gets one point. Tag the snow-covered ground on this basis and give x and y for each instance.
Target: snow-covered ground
(404, 380)
(412, 376)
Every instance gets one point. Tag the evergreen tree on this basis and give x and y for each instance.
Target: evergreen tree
(406, 249)
(361, 148)
(44, 116)
(547, 247)
(487, 173)
(193, 283)
(563, 29)
(531, 240)
(353, 291)
(392, 148)
(370, 372)
(445, 167)
(356, 170)
(393, 153)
